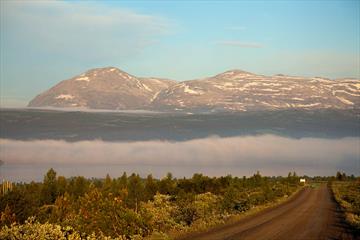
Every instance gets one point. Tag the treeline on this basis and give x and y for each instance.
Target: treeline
(131, 207)
(339, 176)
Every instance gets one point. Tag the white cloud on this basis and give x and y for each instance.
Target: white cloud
(79, 30)
(235, 43)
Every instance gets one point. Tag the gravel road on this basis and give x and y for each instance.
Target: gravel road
(310, 214)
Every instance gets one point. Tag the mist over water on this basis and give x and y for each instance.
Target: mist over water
(94, 144)
(214, 156)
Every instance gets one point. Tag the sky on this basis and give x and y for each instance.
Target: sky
(44, 42)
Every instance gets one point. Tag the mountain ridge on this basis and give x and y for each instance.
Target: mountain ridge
(233, 90)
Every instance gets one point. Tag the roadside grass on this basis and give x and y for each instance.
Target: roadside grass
(315, 185)
(347, 195)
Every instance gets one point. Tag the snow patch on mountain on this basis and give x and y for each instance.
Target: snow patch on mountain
(147, 88)
(305, 105)
(65, 96)
(187, 89)
(343, 100)
(86, 79)
(298, 99)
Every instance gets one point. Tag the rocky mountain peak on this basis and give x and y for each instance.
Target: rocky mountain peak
(102, 88)
(103, 74)
(234, 74)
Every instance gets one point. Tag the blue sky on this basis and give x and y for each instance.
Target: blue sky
(44, 42)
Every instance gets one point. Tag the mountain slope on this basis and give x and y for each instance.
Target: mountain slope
(235, 90)
(238, 90)
(102, 88)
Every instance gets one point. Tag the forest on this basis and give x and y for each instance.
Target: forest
(132, 207)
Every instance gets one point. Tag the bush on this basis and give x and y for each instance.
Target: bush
(34, 230)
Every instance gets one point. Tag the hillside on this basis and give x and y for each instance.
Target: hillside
(235, 90)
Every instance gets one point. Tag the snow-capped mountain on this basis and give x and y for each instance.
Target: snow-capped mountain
(235, 90)
(102, 88)
(238, 90)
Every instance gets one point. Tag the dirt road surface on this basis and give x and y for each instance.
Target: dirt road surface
(311, 214)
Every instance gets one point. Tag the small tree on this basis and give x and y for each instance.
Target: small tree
(49, 189)
(135, 191)
(61, 185)
(340, 176)
(150, 187)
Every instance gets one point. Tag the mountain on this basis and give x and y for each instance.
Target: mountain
(235, 90)
(238, 90)
(102, 88)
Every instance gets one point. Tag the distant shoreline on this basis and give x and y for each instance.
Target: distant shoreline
(70, 109)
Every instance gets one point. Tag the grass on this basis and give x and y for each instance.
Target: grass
(315, 185)
(347, 194)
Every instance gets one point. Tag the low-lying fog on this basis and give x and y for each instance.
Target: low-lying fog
(244, 155)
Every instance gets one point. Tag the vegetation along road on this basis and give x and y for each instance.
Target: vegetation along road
(310, 214)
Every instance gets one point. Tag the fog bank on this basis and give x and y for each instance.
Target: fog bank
(272, 155)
